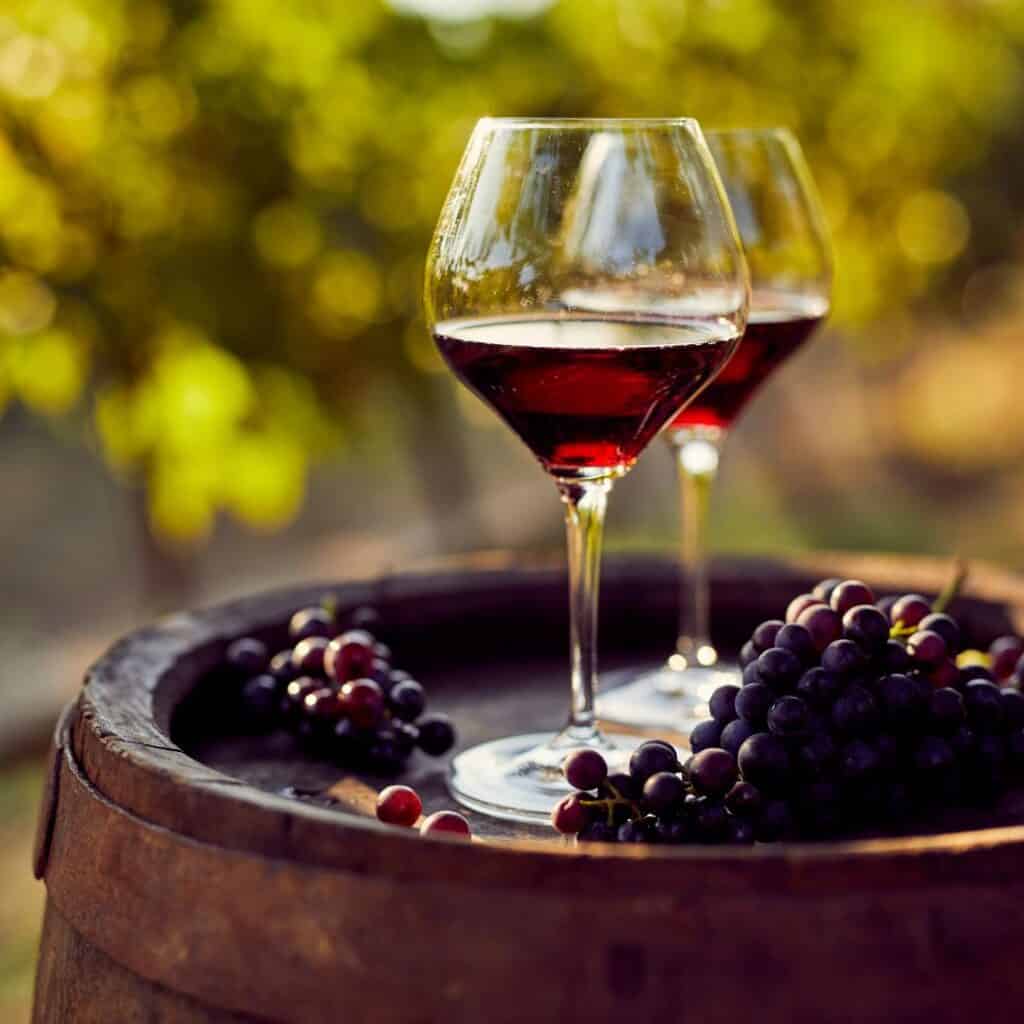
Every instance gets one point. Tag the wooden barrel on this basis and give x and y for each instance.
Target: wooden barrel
(182, 885)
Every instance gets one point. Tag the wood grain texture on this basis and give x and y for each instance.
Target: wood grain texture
(213, 887)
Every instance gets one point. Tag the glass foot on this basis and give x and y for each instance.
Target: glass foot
(519, 778)
(663, 698)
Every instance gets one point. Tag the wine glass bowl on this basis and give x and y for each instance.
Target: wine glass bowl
(586, 281)
(785, 242)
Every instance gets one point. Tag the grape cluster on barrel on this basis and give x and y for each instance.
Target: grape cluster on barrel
(336, 689)
(852, 715)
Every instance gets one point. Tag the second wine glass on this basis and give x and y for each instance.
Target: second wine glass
(586, 281)
(785, 241)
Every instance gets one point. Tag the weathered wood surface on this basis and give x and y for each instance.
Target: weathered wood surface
(229, 898)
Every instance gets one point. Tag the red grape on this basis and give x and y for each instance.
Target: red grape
(909, 610)
(927, 647)
(849, 594)
(308, 655)
(822, 623)
(350, 655)
(362, 701)
(569, 816)
(800, 604)
(445, 823)
(585, 769)
(399, 805)
(1005, 653)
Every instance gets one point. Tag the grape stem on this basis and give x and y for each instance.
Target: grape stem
(615, 800)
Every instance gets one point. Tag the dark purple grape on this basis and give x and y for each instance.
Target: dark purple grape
(382, 652)
(984, 702)
(823, 624)
(844, 657)
(261, 697)
(673, 833)
(823, 590)
(927, 648)
(707, 734)
(909, 610)
(775, 822)
(764, 635)
(569, 816)
(890, 748)
(819, 688)
(748, 654)
(1005, 652)
(753, 702)
(599, 832)
(406, 735)
(1015, 750)
(744, 800)
(306, 622)
(933, 755)
(407, 700)
(735, 734)
(903, 706)
(800, 604)
(380, 672)
(1013, 709)
(635, 831)
(969, 672)
(364, 617)
(247, 656)
(585, 769)
(849, 594)
(897, 804)
(308, 656)
(764, 761)
(662, 791)
(866, 626)
(619, 785)
(855, 712)
(945, 626)
(751, 674)
(710, 819)
(797, 640)
(816, 756)
(385, 755)
(946, 710)
(963, 741)
(651, 757)
(779, 668)
(281, 667)
(742, 833)
(713, 772)
(349, 745)
(859, 761)
(990, 753)
(437, 736)
(894, 658)
(723, 703)
(788, 717)
(820, 808)
(295, 692)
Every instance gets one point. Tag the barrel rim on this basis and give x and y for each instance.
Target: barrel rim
(121, 736)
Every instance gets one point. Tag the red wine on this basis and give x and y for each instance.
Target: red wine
(778, 326)
(586, 392)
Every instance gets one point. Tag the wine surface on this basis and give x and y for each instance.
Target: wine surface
(778, 326)
(586, 393)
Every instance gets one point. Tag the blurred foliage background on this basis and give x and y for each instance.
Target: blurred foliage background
(213, 216)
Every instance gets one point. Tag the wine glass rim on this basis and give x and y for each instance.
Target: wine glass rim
(775, 130)
(595, 122)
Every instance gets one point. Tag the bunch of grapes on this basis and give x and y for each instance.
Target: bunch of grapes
(336, 690)
(853, 715)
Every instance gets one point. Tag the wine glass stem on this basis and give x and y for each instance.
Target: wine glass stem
(697, 456)
(585, 504)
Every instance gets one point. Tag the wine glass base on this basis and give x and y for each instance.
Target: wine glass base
(519, 778)
(664, 698)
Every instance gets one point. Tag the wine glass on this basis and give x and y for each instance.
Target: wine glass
(585, 280)
(785, 240)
